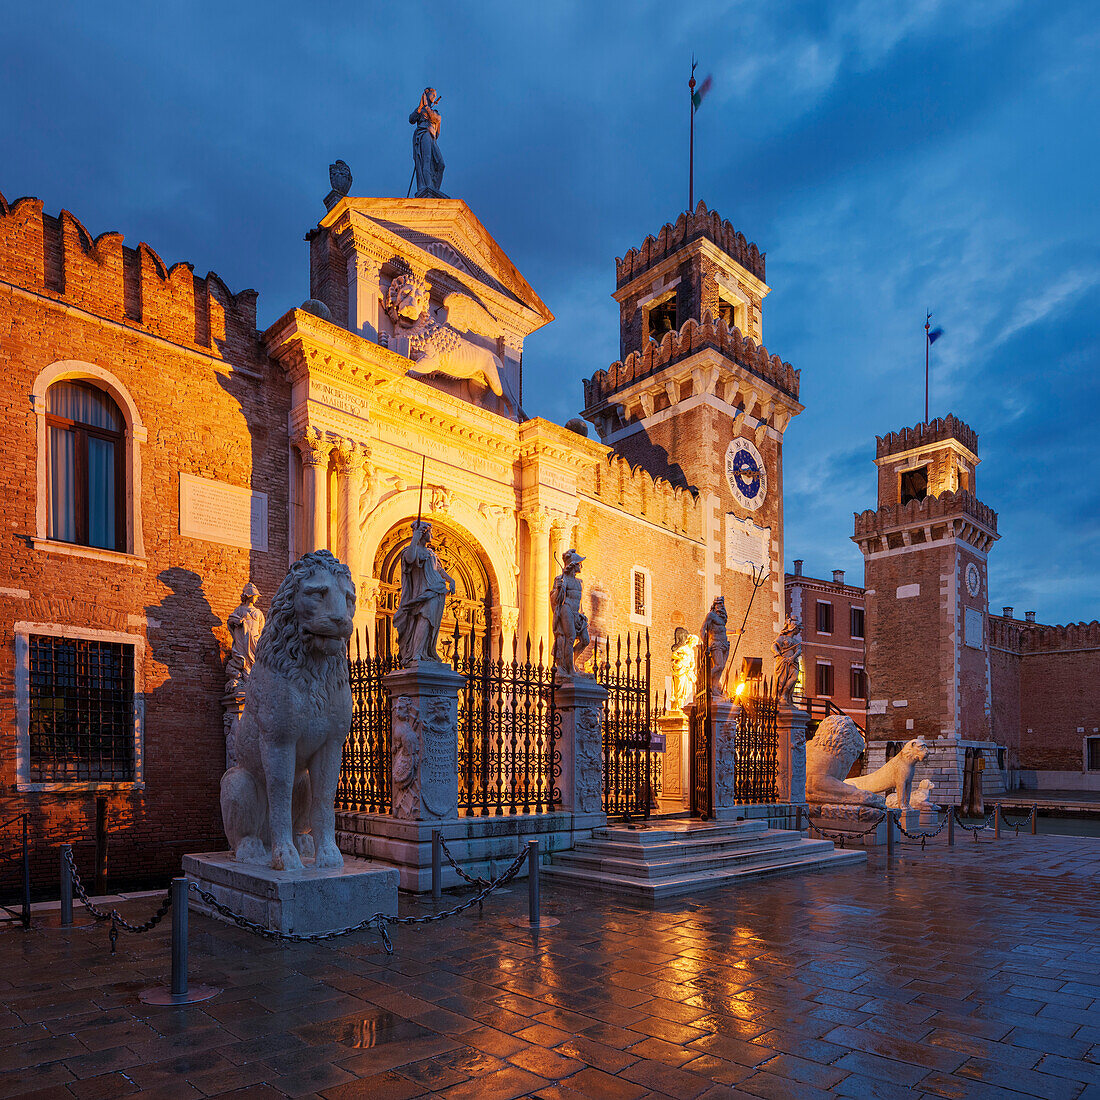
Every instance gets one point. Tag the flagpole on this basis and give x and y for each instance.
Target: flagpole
(691, 140)
(927, 345)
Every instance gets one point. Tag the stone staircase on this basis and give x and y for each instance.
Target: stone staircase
(673, 858)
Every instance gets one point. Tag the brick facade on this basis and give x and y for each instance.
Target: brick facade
(185, 354)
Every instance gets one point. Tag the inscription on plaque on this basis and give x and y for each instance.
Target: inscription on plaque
(439, 757)
(337, 398)
(217, 512)
(747, 544)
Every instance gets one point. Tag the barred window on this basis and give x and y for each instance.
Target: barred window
(81, 710)
(639, 593)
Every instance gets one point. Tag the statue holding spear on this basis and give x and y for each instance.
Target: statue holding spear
(425, 585)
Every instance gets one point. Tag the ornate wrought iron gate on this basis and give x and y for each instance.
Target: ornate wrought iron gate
(508, 757)
(365, 777)
(627, 725)
(757, 746)
(702, 736)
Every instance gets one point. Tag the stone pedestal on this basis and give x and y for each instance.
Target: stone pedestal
(791, 723)
(304, 902)
(580, 701)
(929, 815)
(724, 716)
(676, 730)
(424, 709)
(851, 820)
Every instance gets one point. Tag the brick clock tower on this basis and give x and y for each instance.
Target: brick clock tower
(925, 551)
(696, 399)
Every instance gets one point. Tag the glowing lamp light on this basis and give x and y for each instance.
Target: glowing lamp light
(740, 687)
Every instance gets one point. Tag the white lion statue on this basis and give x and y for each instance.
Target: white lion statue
(297, 713)
(896, 775)
(441, 344)
(829, 758)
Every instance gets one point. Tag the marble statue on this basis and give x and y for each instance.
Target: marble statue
(439, 341)
(715, 641)
(278, 802)
(427, 160)
(788, 658)
(922, 797)
(570, 623)
(425, 585)
(829, 758)
(405, 748)
(684, 671)
(896, 775)
(246, 624)
(339, 178)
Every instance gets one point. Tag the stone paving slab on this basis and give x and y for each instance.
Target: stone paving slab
(965, 972)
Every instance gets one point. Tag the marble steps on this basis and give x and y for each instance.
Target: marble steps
(706, 858)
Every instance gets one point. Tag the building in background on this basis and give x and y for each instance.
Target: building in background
(833, 662)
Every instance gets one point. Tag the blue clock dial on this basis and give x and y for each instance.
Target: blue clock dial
(745, 474)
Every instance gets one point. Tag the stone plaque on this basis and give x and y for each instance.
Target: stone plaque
(974, 624)
(217, 512)
(338, 398)
(747, 545)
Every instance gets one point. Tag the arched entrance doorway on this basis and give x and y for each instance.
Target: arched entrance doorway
(469, 609)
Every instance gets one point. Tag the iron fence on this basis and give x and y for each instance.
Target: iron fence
(509, 759)
(627, 725)
(757, 745)
(366, 776)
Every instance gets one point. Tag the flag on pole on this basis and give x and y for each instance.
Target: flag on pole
(934, 335)
(701, 91)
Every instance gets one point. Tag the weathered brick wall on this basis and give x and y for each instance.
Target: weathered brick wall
(188, 353)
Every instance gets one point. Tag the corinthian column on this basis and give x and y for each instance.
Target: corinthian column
(314, 449)
(351, 461)
(537, 589)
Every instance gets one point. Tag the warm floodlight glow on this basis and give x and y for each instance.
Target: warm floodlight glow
(740, 688)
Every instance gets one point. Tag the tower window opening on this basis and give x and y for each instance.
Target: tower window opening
(662, 319)
(914, 484)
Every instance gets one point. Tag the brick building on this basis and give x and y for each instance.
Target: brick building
(163, 453)
(833, 648)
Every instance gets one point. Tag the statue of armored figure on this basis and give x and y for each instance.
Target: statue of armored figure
(715, 641)
(246, 624)
(425, 585)
(570, 623)
(788, 658)
(684, 670)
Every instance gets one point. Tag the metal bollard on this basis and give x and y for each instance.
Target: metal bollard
(101, 845)
(1034, 818)
(66, 887)
(951, 826)
(533, 883)
(889, 834)
(437, 865)
(997, 821)
(179, 938)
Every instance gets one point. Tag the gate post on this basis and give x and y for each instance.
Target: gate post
(578, 726)
(791, 723)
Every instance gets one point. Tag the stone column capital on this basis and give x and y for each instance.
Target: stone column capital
(537, 520)
(313, 446)
(351, 457)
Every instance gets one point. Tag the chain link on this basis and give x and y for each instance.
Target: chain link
(841, 837)
(922, 837)
(479, 881)
(113, 915)
(1017, 825)
(377, 922)
(975, 829)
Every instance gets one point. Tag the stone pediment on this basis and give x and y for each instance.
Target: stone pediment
(442, 234)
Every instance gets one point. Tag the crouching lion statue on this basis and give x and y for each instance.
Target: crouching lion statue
(829, 758)
(297, 713)
(896, 775)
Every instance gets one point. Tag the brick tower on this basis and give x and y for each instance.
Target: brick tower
(697, 399)
(925, 549)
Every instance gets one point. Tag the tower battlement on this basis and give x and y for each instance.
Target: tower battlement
(924, 435)
(688, 227)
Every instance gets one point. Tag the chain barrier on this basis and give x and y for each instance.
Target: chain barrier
(972, 829)
(1018, 825)
(377, 922)
(113, 915)
(839, 838)
(478, 882)
(922, 837)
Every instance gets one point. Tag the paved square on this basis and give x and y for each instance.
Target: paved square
(967, 972)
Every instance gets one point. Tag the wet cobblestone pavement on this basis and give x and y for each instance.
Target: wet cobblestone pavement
(966, 972)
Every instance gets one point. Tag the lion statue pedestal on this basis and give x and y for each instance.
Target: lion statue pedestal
(284, 869)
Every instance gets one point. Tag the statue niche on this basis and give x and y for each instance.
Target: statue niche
(440, 339)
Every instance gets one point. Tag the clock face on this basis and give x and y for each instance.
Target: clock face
(973, 579)
(745, 473)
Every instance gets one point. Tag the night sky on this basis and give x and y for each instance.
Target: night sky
(888, 156)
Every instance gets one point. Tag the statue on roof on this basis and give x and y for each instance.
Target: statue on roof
(428, 163)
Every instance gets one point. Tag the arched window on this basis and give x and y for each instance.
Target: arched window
(85, 456)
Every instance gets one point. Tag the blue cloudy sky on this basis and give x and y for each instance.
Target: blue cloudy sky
(887, 155)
